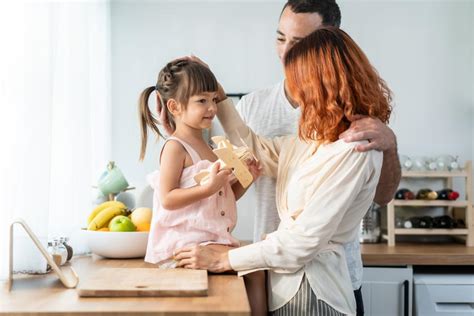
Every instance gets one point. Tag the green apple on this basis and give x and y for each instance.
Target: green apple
(121, 223)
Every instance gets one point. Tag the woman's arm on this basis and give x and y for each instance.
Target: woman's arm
(173, 197)
(330, 211)
(204, 258)
(267, 150)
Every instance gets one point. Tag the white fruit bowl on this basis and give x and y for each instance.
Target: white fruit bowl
(116, 244)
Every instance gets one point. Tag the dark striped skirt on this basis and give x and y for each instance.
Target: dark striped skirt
(305, 302)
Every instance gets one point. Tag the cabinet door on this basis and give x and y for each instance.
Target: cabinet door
(387, 291)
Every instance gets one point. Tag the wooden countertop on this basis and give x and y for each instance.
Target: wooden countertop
(417, 254)
(45, 295)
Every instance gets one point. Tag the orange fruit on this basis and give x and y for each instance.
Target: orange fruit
(141, 216)
(144, 227)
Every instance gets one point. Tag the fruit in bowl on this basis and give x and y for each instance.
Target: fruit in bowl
(104, 213)
(113, 232)
(121, 223)
(141, 217)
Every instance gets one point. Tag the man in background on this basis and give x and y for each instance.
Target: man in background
(269, 112)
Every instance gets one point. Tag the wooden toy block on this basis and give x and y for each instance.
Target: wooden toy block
(232, 158)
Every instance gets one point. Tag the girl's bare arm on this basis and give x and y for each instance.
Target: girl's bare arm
(173, 197)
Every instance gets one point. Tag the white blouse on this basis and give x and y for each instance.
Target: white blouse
(323, 191)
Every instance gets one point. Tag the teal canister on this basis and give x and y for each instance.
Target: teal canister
(112, 180)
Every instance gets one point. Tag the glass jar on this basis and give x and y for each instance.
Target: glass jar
(60, 251)
(70, 252)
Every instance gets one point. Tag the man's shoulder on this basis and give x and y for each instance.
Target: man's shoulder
(269, 94)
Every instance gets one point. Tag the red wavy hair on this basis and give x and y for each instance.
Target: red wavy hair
(332, 80)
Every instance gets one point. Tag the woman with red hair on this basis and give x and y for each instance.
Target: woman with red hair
(324, 186)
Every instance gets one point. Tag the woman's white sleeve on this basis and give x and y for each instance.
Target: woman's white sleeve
(267, 150)
(295, 244)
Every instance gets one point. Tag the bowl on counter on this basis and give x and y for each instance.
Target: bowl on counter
(116, 245)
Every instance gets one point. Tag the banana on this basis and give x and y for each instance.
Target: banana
(102, 219)
(103, 206)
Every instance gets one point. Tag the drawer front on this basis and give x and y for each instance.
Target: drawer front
(456, 300)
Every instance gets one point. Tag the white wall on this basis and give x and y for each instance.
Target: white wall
(423, 49)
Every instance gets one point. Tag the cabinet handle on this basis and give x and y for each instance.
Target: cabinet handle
(406, 292)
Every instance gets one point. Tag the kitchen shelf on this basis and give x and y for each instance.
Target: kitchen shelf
(431, 231)
(467, 204)
(434, 174)
(430, 203)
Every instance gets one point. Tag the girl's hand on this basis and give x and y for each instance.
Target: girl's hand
(255, 168)
(203, 257)
(217, 178)
(232, 179)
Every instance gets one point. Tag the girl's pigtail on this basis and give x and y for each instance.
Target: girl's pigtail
(147, 120)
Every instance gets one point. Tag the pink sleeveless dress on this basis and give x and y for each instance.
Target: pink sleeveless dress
(208, 221)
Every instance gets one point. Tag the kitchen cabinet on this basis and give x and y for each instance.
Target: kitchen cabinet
(387, 268)
(444, 294)
(388, 291)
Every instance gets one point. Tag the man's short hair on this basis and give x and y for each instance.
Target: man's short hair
(328, 9)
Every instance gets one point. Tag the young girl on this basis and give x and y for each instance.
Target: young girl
(185, 213)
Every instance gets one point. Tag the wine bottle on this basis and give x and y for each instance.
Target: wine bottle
(426, 194)
(408, 224)
(426, 222)
(447, 194)
(404, 194)
(444, 221)
(414, 222)
(419, 222)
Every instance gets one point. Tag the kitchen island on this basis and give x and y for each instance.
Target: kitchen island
(45, 295)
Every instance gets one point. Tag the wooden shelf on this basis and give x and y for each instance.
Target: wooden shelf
(431, 231)
(447, 177)
(434, 174)
(430, 203)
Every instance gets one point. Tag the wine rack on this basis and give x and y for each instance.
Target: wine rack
(466, 233)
